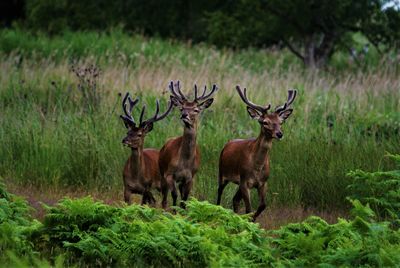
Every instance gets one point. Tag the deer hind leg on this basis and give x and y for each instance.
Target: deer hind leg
(236, 200)
(152, 200)
(261, 196)
(181, 189)
(221, 187)
(148, 198)
(187, 187)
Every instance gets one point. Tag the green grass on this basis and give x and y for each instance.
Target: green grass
(49, 139)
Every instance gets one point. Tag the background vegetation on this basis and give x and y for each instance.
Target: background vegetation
(312, 30)
(51, 136)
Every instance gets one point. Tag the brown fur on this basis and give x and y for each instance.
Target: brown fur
(246, 162)
(141, 174)
(179, 161)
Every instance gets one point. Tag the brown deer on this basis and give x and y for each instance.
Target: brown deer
(180, 157)
(141, 172)
(246, 161)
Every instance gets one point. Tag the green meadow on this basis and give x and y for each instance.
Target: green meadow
(52, 136)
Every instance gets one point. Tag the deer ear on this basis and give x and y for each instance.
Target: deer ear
(148, 127)
(254, 114)
(175, 101)
(285, 114)
(205, 104)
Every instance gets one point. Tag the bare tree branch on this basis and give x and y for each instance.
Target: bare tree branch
(292, 49)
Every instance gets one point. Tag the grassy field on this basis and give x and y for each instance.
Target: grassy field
(51, 141)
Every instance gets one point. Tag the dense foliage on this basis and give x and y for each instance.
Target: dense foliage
(312, 30)
(379, 189)
(85, 232)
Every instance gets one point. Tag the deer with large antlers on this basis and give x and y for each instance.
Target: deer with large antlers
(180, 157)
(246, 161)
(141, 172)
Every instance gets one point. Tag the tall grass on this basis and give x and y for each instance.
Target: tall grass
(48, 138)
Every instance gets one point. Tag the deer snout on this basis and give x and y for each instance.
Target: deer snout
(279, 134)
(185, 115)
(125, 140)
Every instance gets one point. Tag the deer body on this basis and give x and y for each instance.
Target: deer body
(141, 172)
(180, 157)
(246, 161)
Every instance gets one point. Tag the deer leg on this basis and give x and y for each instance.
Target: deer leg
(166, 186)
(127, 196)
(148, 198)
(186, 191)
(246, 196)
(221, 188)
(144, 199)
(261, 196)
(236, 201)
(181, 189)
(152, 200)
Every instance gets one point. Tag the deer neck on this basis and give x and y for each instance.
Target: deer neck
(137, 161)
(188, 146)
(262, 146)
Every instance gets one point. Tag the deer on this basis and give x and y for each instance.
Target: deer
(245, 162)
(141, 173)
(180, 157)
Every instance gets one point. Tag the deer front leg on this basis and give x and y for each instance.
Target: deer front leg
(244, 189)
(127, 196)
(261, 196)
(166, 186)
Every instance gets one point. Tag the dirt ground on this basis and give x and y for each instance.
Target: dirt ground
(271, 218)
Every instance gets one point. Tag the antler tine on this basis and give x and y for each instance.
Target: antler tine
(156, 117)
(128, 115)
(212, 91)
(292, 93)
(291, 96)
(179, 95)
(244, 98)
(132, 103)
(142, 114)
(195, 92)
(178, 85)
(172, 89)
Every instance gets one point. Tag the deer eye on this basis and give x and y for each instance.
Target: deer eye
(196, 110)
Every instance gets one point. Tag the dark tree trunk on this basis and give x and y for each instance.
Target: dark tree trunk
(318, 50)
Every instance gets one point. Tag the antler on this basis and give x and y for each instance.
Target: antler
(203, 95)
(291, 96)
(128, 114)
(179, 95)
(243, 96)
(176, 91)
(157, 117)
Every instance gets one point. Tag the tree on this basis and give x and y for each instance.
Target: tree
(311, 29)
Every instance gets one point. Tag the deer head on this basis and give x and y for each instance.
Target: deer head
(190, 110)
(270, 122)
(136, 133)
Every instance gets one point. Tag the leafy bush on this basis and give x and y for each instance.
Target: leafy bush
(381, 190)
(15, 224)
(84, 232)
